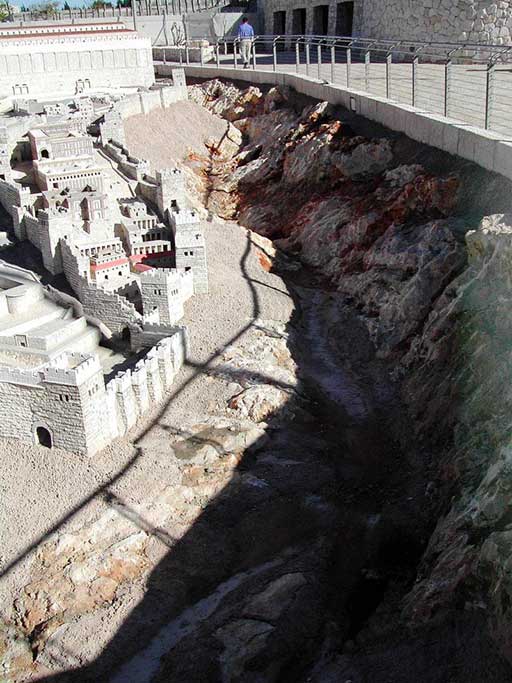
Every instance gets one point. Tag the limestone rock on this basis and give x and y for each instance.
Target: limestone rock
(260, 402)
(15, 653)
(243, 640)
(270, 603)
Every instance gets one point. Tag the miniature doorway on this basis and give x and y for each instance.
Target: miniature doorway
(44, 438)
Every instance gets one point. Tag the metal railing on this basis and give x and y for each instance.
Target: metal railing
(468, 82)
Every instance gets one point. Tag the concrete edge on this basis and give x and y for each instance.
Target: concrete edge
(488, 149)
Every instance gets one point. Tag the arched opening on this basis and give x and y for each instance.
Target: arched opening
(126, 335)
(45, 154)
(44, 438)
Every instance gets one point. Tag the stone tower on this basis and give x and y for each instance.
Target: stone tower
(70, 411)
(190, 249)
(5, 166)
(164, 291)
(171, 190)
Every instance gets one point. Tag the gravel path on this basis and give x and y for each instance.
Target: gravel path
(165, 136)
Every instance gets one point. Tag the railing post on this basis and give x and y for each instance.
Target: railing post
(217, 55)
(367, 62)
(389, 61)
(307, 58)
(319, 59)
(297, 56)
(415, 63)
(489, 83)
(187, 55)
(447, 85)
(235, 54)
(253, 49)
(333, 62)
(349, 65)
(274, 55)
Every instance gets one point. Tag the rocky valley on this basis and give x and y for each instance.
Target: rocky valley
(324, 496)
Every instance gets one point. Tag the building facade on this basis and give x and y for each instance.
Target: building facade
(66, 59)
(475, 21)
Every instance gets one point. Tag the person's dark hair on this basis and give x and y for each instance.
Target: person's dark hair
(244, 20)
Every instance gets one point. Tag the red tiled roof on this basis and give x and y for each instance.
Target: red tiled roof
(141, 267)
(140, 258)
(109, 264)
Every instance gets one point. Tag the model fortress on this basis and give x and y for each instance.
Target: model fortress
(42, 60)
(131, 251)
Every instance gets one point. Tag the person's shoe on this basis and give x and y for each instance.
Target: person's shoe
(246, 66)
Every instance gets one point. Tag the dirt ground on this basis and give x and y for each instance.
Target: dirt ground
(50, 491)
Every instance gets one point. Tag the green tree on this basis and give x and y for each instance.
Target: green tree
(5, 11)
(47, 9)
(100, 4)
(66, 6)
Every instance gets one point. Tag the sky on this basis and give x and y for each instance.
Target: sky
(72, 3)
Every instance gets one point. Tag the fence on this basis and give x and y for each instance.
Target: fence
(470, 83)
(142, 8)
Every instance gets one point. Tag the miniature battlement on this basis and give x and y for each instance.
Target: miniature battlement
(123, 381)
(185, 217)
(174, 173)
(139, 373)
(18, 376)
(161, 275)
(71, 369)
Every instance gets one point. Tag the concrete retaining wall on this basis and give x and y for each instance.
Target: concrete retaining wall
(490, 150)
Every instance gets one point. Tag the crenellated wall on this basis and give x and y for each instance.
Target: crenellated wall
(130, 394)
(69, 399)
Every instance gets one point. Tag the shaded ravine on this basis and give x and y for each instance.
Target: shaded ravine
(329, 513)
(325, 511)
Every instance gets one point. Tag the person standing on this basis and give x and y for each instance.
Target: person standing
(246, 36)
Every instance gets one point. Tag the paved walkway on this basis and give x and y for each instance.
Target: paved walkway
(466, 92)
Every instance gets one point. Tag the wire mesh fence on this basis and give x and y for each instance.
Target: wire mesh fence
(470, 83)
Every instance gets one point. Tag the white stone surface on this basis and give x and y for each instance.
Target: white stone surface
(473, 21)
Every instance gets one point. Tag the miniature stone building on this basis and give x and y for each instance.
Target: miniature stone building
(190, 247)
(5, 162)
(164, 291)
(133, 254)
(68, 59)
(52, 384)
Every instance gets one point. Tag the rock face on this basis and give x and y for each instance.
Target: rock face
(434, 296)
